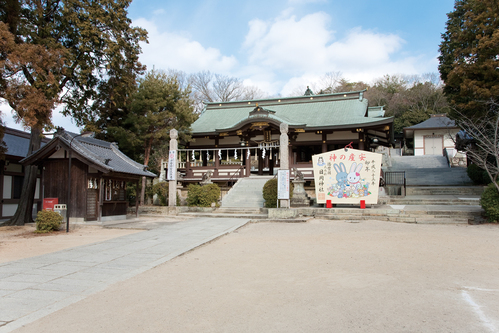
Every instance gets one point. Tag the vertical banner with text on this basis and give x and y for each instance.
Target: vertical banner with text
(172, 165)
(283, 184)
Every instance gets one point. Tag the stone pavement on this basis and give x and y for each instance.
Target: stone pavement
(34, 287)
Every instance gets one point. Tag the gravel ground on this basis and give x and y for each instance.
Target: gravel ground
(320, 276)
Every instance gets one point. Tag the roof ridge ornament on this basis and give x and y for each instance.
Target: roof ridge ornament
(308, 92)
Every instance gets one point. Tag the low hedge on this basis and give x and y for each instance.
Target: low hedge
(47, 221)
(490, 203)
(202, 196)
(478, 175)
(161, 190)
(270, 193)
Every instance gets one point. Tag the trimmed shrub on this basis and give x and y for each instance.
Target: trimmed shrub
(490, 203)
(202, 196)
(478, 175)
(47, 221)
(161, 190)
(270, 193)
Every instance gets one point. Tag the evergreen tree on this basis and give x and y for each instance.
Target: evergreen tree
(61, 51)
(159, 104)
(469, 57)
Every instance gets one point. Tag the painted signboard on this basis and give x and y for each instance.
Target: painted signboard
(283, 184)
(172, 165)
(347, 176)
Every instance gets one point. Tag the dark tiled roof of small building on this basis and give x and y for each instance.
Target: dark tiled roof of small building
(104, 154)
(17, 142)
(436, 121)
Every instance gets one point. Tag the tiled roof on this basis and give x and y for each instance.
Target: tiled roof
(17, 142)
(436, 121)
(102, 155)
(105, 154)
(317, 111)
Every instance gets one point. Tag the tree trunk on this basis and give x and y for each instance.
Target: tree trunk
(24, 209)
(147, 154)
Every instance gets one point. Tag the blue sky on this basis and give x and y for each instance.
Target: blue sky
(283, 45)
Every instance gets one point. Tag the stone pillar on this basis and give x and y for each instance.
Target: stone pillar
(284, 150)
(172, 185)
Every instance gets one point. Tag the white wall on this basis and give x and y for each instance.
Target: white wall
(420, 134)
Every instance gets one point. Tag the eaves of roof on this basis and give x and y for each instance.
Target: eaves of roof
(101, 155)
(313, 114)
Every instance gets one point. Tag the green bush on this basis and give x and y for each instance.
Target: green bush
(47, 221)
(478, 175)
(270, 193)
(490, 203)
(202, 196)
(161, 190)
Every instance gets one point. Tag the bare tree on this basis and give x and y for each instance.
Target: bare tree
(330, 81)
(483, 137)
(209, 87)
(252, 92)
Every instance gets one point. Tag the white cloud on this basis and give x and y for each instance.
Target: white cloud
(305, 48)
(173, 50)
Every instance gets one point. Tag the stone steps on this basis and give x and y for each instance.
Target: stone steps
(438, 217)
(246, 193)
(444, 190)
(427, 201)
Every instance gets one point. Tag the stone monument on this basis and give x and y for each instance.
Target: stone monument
(300, 197)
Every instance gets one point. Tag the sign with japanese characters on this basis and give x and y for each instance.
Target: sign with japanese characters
(347, 176)
(283, 184)
(172, 165)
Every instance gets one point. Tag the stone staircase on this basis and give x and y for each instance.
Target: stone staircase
(244, 213)
(403, 215)
(429, 171)
(246, 193)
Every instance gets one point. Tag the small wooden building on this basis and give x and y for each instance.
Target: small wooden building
(99, 176)
(433, 136)
(12, 173)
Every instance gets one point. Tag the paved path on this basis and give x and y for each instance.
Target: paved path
(34, 287)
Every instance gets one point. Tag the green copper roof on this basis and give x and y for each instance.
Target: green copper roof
(317, 111)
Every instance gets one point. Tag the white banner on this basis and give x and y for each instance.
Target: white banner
(172, 165)
(347, 176)
(283, 184)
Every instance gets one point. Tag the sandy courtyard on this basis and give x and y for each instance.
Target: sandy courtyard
(320, 276)
(21, 242)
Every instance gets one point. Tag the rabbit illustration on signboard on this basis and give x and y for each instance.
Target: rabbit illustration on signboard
(348, 185)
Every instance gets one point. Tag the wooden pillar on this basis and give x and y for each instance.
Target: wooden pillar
(324, 142)
(247, 162)
(361, 141)
(217, 163)
(137, 199)
(100, 198)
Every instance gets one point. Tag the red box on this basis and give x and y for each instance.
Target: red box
(328, 204)
(48, 203)
(362, 204)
